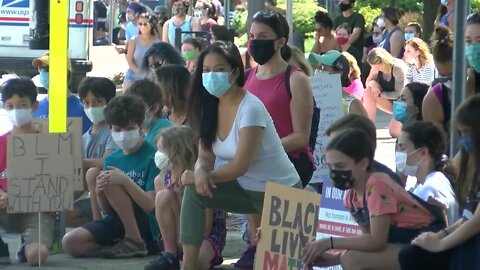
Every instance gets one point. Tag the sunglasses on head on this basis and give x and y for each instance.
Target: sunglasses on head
(266, 15)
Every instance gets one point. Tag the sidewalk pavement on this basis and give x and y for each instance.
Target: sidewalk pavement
(234, 247)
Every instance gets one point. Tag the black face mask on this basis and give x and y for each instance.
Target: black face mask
(342, 179)
(262, 50)
(344, 7)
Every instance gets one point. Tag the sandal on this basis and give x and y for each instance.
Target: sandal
(164, 261)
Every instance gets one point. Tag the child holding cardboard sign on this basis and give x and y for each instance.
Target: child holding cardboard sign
(124, 189)
(19, 97)
(389, 216)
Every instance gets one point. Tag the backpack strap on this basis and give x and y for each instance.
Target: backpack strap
(288, 72)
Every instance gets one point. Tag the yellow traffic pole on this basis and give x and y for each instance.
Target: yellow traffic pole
(57, 92)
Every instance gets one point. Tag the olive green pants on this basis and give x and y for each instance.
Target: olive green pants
(230, 197)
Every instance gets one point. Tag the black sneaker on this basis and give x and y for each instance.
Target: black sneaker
(164, 261)
(247, 258)
(4, 254)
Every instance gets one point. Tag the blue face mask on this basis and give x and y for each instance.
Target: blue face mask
(472, 51)
(466, 142)
(409, 36)
(400, 111)
(44, 78)
(216, 83)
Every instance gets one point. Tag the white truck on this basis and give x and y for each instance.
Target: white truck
(24, 35)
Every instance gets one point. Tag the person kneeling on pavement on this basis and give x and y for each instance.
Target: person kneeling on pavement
(19, 97)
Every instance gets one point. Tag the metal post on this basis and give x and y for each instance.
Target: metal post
(226, 11)
(110, 21)
(459, 91)
(178, 38)
(290, 21)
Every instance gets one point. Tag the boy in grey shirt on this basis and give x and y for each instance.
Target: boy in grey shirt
(94, 93)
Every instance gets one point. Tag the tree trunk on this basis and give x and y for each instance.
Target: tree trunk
(430, 11)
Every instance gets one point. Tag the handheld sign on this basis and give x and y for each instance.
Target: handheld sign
(288, 223)
(327, 91)
(74, 129)
(40, 169)
(334, 219)
(57, 93)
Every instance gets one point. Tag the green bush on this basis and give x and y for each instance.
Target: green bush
(242, 41)
(475, 5)
(239, 22)
(303, 13)
(406, 5)
(369, 14)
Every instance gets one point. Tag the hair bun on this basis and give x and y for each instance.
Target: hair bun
(442, 34)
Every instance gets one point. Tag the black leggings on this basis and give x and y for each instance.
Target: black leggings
(415, 258)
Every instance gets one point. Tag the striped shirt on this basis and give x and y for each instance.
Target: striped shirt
(425, 75)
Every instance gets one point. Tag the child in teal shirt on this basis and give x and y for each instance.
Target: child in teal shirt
(125, 190)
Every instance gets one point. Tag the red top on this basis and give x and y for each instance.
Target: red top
(273, 93)
(3, 161)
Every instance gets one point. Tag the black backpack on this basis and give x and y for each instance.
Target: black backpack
(316, 110)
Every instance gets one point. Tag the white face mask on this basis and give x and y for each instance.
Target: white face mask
(380, 23)
(198, 14)
(126, 139)
(377, 39)
(20, 117)
(402, 166)
(95, 114)
(161, 160)
(130, 17)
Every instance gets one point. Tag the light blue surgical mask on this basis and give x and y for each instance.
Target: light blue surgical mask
(409, 36)
(472, 51)
(44, 78)
(400, 111)
(216, 83)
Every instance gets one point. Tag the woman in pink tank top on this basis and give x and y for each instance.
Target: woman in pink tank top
(291, 109)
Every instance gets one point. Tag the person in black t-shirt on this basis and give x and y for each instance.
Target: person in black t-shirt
(356, 22)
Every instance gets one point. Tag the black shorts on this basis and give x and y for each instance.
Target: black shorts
(109, 230)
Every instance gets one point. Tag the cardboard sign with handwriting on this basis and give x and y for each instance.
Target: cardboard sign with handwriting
(74, 127)
(289, 221)
(327, 91)
(40, 170)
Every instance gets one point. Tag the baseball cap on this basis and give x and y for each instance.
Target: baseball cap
(44, 61)
(327, 58)
(331, 58)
